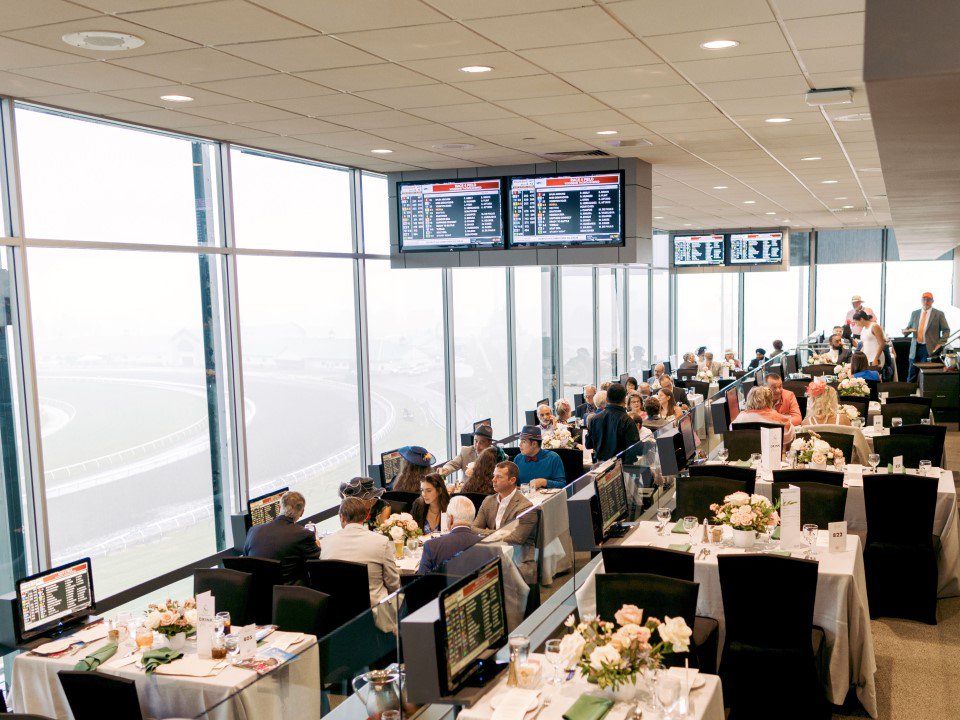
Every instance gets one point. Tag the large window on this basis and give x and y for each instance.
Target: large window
(774, 307)
(610, 315)
(576, 291)
(848, 264)
(908, 280)
(638, 339)
(659, 315)
(534, 343)
(707, 312)
(376, 214)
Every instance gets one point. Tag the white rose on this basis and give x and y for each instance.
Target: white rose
(675, 632)
(797, 444)
(396, 533)
(191, 617)
(738, 498)
(821, 446)
(404, 517)
(759, 500)
(606, 655)
(571, 649)
(153, 620)
(838, 369)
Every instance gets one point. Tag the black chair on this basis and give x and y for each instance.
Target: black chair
(572, 463)
(94, 695)
(400, 501)
(347, 584)
(841, 441)
(873, 385)
(862, 404)
(818, 370)
(661, 596)
(797, 387)
(724, 383)
(900, 554)
(910, 413)
(897, 389)
(511, 452)
(695, 495)
(686, 375)
(913, 448)
(299, 609)
(767, 642)
(741, 444)
(651, 560)
(24, 716)
(231, 590)
(700, 388)
(731, 472)
(806, 475)
(757, 426)
(476, 498)
(266, 574)
(911, 400)
(937, 432)
(819, 504)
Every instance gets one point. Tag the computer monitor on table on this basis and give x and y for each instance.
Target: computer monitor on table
(685, 426)
(733, 402)
(611, 491)
(545, 401)
(54, 600)
(390, 465)
(265, 508)
(788, 362)
(623, 378)
(480, 423)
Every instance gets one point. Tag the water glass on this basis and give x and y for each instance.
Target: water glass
(857, 422)
(791, 458)
(722, 455)
(690, 524)
(412, 545)
(925, 468)
(755, 460)
(223, 622)
(233, 644)
(874, 460)
(810, 538)
(896, 422)
(663, 517)
(668, 692)
(552, 651)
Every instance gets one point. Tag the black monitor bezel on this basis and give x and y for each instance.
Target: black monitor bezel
(262, 497)
(736, 394)
(728, 260)
(448, 684)
(23, 634)
(673, 250)
(477, 424)
(686, 421)
(456, 248)
(383, 466)
(508, 227)
(617, 465)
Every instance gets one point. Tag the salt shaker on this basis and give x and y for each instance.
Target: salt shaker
(519, 649)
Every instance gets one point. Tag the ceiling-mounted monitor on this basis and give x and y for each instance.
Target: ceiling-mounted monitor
(577, 210)
(698, 250)
(450, 215)
(765, 248)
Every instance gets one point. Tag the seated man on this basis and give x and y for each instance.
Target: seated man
(645, 390)
(784, 401)
(837, 352)
(689, 362)
(503, 508)
(482, 439)
(758, 360)
(587, 407)
(658, 372)
(436, 551)
(282, 539)
(540, 468)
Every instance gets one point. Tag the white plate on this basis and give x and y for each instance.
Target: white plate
(532, 705)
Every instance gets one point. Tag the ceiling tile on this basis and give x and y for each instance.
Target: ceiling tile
(753, 39)
(812, 8)
(536, 106)
(420, 42)
(167, 119)
(336, 16)
(561, 27)
(267, 87)
(655, 17)
(50, 36)
(422, 133)
(469, 9)
(94, 103)
(16, 54)
(828, 31)
(518, 87)
(289, 145)
(690, 124)
(467, 111)
(652, 96)
(348, 140)
(366, 77)
(777, 105)
(228, 133)
(484, 128)
(756, 88)
(608, 119)
(591, 56)
(744, 67)
(151, 96)
(655, 113)
(419, 96)
(504, 64)
(833, 59)
(194, 66)
(327, 105)
(293, 126)
(35, 12)
(19, 86)
(301, 54)
(626, 78)
(93, 76)
(121, 6)
(247, 112)
(374, 120)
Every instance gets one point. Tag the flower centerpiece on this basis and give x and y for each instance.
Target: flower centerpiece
(843, 371)
(816, 451)
(850, 411)
(610, 655)
(854, 386)
(172, 619)
(705, 376)
(747, 514)
(400, 527)
(820, 359)
(560, 439)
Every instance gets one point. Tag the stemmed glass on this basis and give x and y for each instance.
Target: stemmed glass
(668, 692)
(690, 524)
(552, 651)
(755, 460)
(924, 468)
(874, 460)
(810, 538)
(663, 517)
(722, 455)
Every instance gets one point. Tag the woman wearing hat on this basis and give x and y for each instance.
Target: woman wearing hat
(363, 488)
(414, 466)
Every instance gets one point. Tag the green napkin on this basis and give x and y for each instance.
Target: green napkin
(678, 528)
(161, 656)
(776, 533)
(588, 707)
(781, 553)
(682, 547)
(741, 463)
(94, 659)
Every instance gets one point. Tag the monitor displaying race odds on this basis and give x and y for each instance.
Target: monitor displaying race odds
(391, 465)
(60, 596)
(756, 248)
(451, 215)
(698, 250)
(567, 210)
(265, 508)
(612, 493)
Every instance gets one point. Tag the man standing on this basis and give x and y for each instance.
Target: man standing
(929, 329)
(784, 401)
(587, 407)
(436, 551)
(482, 439)
(777, 348)
(857, 306)
(612, 431)
(540, 468)
(282, 539)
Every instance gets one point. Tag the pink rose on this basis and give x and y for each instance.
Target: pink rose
(168, 618)
(629, 615)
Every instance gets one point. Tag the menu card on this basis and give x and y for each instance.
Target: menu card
(898, 463)
(248, 640)
(878, 422)
(790, 517)
(206, 623)
(771, 448)
(838, 536)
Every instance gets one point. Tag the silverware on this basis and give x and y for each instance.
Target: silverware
(706, 553)
(78, 646)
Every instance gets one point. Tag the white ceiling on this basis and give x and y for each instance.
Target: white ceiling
(335, 79)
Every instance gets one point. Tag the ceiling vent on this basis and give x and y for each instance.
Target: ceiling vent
(573, 155)
(850, 210)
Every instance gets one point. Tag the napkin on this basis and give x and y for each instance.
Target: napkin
(682, 547)
(161, 656)
(781, 553)
(192, 666)
(776, 533)
(588, 707)
(678, 528)
(93, 660)
(514, 704)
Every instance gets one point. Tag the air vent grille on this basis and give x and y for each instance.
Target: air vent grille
(574, 155)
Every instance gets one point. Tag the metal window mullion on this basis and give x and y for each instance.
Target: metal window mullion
(360, 322)
(556, 329)
(625, 322)
(741, 313)
(812, 287)
(449, 361)
(511, 350)
(595, 279)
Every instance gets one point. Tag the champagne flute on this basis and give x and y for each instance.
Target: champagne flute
(552, 651)
(874, 460)
(663, 517)
(722, 455)
(810, 538)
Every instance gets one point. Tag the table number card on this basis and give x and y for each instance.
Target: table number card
(248, 641)
(878, 422)
(771, 448)
(206, 623)
(838, 536)
(898, 464)
(790, 517)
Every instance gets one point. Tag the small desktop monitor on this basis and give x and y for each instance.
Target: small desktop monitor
(390, 463)
(54, 599)
(545, 401)
(480, 423)
(265, 508)
(733, 403)
(448, 215)
(623, 379)
(685, 426)
(788, 361)
(473, 623)
(612, 494)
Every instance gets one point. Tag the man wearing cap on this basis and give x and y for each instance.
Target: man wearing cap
(612, 430)
(539, 468)
(857, 302)
(482, 439)
(282, 539)
(929, 329)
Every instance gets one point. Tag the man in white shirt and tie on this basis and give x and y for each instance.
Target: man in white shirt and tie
(929, 329)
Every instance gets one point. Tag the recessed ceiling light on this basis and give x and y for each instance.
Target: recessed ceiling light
(658, 217)
(770, 213)
(719, 44)
(778, 120)
(688, 224)
(102, 40)
(812, 157)
(848, 207)
(476, 69)
(607, 132)
(749, 202)
(853, 117)
(869, 169)
(842, 197)
(381, 151)
(719, 187)
(177, 98)
(829, 182)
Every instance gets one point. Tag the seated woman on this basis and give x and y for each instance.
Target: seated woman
(363, 488)
(631, 384)
(480, 473)
(668, 406)
(759, 409)
(635, 403)
(823, 406)
(859, 367)
(730, 357)
(415, 464)
(428, 509)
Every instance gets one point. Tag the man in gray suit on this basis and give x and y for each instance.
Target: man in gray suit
(929, 329)
(502, 508)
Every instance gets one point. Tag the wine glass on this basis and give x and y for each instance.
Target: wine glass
(810, 538)
(791, 458)
(722, 455)
(896, 422)
(925, 421)
(690, 524)
(668, 692)
(874, 460)
(755, 460)
(552, 651)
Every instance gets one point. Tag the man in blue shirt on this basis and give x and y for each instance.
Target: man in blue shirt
(539, 468)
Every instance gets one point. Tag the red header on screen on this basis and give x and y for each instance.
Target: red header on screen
(582, 180)
(480, 185)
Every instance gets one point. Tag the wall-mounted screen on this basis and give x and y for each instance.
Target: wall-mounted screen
(567, 210)
(756, 248)
(450, 215)
(698, 250)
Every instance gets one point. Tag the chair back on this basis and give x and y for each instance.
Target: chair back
(572, 463)
(231, 590)
(913, 448)
(818, 370)
(299, 609)
(787, 623)
(94, 695)
(819, 504)
(400, 501)
(723, 383)
(841, 441)
(910, 413)
(685, 374)
(649, 560)
(348, 585)
(741, 444)
(873, 384)
(695, 495)
(862, 404)
(476, 498)
(805, 475)
(897, 389)
(731, 472)
(512, 452)
(747, 385)
(659, 597)
(937, 432)
(24, 716)
(886, 496)
(910, 400)
(699, 387)
(797, 387)
(266, 574)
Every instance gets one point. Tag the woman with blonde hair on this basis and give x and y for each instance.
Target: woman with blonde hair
(759, 409)
(823, 406)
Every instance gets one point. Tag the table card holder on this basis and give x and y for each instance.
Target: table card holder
(771, 448)
(790, 517)
(838, 536)
(248, 641)
(898, 464)
(878, 422)
(206, 623)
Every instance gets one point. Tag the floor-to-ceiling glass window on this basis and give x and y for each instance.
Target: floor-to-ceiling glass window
(576, 291)
(659, 315)
(534, 337)
(907, 280)
(848, 264)
(775, 302)
(376, 214)
(638, 325)
(610, 316)
(707, 305)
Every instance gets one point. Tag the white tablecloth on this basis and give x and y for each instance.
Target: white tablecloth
(841, 609)
(291, 691)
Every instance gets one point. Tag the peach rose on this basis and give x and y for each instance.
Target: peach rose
(168, 618)
(629, 615)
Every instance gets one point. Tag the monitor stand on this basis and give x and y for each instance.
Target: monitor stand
(618, 530)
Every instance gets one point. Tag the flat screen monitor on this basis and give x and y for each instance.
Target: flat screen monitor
(685, 426)
(623, 379)
(390, 462)
(265, 508)
(473, 621)
(450, 215)
(788, 361)
(612, 493)
(698, 250)
(733, 403)
(756, 248)
(583, 210)
(545, 401)
(480, 423)
(56, 598)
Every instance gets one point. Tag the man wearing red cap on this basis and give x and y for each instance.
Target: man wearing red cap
(929, 329)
